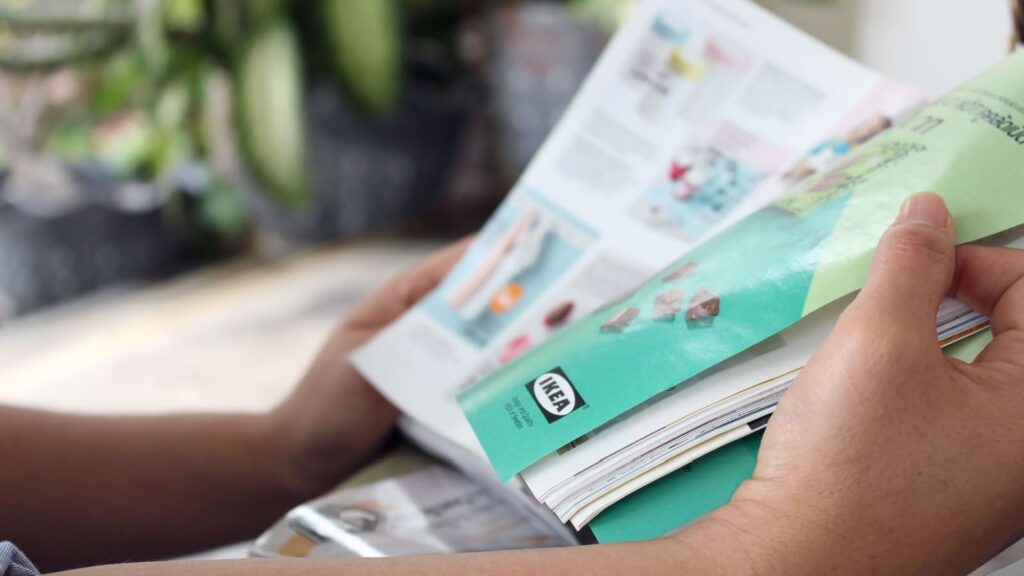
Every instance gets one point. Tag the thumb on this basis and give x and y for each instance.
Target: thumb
(913, 267)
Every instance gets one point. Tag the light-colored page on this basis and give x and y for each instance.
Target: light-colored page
(697, 114)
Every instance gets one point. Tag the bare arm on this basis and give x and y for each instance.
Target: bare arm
(83, 490)
(699, 553)
(78, 490)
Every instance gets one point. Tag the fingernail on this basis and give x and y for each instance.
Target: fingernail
(925, 208)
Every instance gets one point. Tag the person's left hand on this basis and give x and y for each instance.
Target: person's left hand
(334, 419)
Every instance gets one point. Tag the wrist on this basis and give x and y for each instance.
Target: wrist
(759, 533)
(278, 451)
(314, 460)
(776, 528)
(737, 539)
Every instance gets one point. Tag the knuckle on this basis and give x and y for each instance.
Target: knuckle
(918, 242)
(868, 334)
(1013, 339)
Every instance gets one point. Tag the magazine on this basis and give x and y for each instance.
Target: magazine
(697, 114)
(675, 252)
(428, 510)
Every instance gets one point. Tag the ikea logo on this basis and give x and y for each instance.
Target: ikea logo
(555, 395)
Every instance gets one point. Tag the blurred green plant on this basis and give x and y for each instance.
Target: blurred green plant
(360, 42)
(606, 14)
(127, 82)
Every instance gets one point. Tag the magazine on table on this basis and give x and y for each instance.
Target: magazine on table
(420, 508)
(627, 321)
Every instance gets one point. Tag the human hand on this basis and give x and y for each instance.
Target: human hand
(885, 456)
(334, 419)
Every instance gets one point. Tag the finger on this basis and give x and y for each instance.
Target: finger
(388, 301)
(912, 270)
(986, 280)
(991, 281)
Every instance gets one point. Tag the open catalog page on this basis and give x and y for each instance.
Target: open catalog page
(697, 114)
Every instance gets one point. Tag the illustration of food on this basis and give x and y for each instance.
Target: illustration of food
(620, 321)
(704, 307)
(668, 305)
(679, 273)
(507, 298)
(559, 314)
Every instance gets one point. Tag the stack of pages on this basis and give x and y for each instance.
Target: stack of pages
(676, 252)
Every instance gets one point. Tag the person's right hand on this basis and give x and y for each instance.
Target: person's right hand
(887, 457)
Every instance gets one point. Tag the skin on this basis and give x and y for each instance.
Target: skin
(885, 457)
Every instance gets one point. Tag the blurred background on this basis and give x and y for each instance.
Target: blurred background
(193, 191)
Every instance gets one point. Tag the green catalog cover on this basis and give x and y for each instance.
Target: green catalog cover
(679, 498)
(809, 248)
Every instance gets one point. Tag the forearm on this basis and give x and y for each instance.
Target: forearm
(709, 548)
(81, 490)
(737, 540)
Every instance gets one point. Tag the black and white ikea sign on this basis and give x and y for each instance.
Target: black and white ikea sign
(555, 395)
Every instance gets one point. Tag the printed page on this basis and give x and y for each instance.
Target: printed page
(698, 114)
